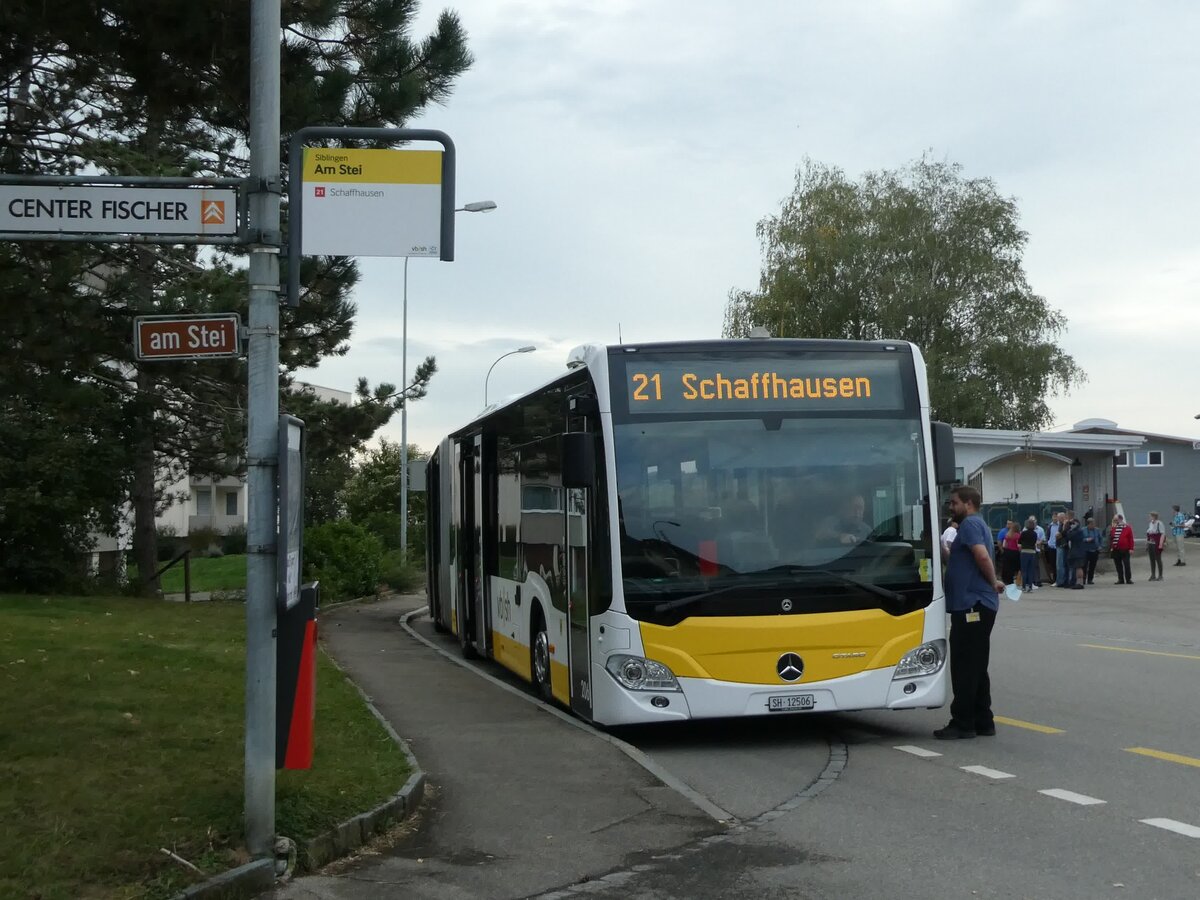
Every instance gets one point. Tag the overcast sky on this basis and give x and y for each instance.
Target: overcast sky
(632, 147)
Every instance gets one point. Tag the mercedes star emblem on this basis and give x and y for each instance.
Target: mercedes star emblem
(790, 667)
(786, 604)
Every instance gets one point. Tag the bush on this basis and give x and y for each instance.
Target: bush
(399, 575)
(167, 542)
(385, 526)
(202, 539)
(346, 558)
(233, 542)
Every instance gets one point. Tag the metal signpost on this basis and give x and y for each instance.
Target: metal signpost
(187, 337)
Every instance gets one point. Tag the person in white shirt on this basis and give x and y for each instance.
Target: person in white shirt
(948, 537)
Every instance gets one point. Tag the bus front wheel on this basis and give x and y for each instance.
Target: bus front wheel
(539, 658)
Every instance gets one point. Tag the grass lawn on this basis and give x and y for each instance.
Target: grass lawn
(121, 733)
(218, 573)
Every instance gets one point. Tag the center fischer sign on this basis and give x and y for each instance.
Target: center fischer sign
(187, 337)
(371, 202)
(73, 209)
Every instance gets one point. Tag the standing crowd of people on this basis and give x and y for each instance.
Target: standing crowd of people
(1067, 551)
(973, 584)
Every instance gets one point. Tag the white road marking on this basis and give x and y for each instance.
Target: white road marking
(1072, 797)
(916, 751)
(1171, 825)
(986, 772)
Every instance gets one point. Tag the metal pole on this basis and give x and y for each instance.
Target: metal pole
(262, 428)
(404, 421)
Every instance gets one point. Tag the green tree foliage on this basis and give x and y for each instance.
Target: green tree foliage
(345, 558)
(154, 88)
(372, 497)
(921, 254)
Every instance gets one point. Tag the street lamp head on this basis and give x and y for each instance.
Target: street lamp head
(478, 206)
(526, 349)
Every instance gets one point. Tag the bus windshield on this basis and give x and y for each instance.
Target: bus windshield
(754, 515)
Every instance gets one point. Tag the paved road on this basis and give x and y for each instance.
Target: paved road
(1098, 696)
(1101, 690)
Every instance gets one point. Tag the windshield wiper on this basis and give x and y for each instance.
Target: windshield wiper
(877, 590)
(681, 602)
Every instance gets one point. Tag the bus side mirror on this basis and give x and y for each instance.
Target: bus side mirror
(578, 459)
(943, 453)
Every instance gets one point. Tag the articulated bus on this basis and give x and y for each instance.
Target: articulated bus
(702, 529)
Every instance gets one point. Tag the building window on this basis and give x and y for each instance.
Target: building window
(231, 503)
(1147, 458)
(960, 475)
(203, 501)
(1122, 458)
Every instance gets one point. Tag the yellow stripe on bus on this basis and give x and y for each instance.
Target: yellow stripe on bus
(746, 649)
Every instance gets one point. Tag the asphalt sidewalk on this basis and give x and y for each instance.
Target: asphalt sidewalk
(518, 802)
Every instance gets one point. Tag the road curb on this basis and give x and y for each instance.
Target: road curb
(358, 830)
(253, 878)
(245, 881)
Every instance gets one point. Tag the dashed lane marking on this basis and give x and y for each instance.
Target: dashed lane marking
(1030, 726)
(986, 772)
(1169, 757)
(1145, 652)
(1072, 797)
(917, 751)
(1171, 825)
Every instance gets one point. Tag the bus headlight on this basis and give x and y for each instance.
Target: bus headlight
(924, 660)
(639, 674)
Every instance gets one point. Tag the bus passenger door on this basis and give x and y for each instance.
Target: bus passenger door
(470, 551)
(579, 446)
(481, 627)
(580, 641)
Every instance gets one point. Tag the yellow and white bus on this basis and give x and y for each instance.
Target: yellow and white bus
(702, 529)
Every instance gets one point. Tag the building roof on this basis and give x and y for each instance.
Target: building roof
(1109, 427)
(1049, 440)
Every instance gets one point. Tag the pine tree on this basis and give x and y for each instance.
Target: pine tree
(160, 88)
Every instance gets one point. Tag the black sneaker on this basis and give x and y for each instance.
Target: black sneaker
(953, 733)
(986, 730)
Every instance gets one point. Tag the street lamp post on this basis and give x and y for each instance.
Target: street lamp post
(528, 349)
(477, 206)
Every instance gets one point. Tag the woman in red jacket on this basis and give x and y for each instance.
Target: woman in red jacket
(1121, 542)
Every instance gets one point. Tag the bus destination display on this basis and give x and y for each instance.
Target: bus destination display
(762, 385)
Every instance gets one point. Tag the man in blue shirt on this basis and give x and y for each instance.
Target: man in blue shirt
(1179, 532)
(972, 600)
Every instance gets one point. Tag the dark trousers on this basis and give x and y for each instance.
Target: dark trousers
(1121, 562)
(1051, 561)
(1090, 568)
(1155, 561)
(1010, 564)
(970, 647)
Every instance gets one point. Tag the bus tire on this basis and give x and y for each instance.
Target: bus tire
(435, 616)
(539, 656)
(468, 649)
